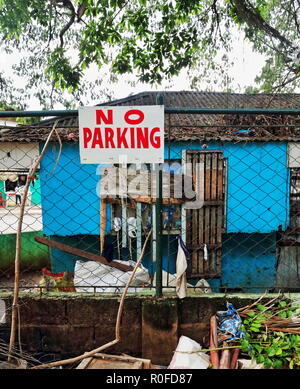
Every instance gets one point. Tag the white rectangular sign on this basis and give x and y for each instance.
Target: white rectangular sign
(122, 134)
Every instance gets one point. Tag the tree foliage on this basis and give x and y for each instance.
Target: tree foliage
(273, 26)
(154, 39)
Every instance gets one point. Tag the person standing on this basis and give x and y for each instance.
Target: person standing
(18, 192)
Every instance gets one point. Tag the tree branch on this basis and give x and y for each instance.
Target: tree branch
(295, 13)
(69, 5)
(248, 13)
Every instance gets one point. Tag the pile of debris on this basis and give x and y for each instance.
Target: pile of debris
(257, 336)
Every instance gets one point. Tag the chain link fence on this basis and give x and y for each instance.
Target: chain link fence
(229, 210)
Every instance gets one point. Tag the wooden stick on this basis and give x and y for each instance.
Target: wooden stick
(118, 322)
(252, 305)
(234, 358)
(81, 253)
(284, 330)
(14, 317)
(214, 355)
(225, 358)
(102, 224)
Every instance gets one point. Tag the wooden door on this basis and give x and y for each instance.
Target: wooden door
(204, 226)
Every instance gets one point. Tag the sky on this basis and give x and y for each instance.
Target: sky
(247, 66)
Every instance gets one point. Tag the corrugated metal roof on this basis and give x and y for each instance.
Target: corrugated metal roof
(188, 126)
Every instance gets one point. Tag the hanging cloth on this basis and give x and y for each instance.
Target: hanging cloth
(181, 266)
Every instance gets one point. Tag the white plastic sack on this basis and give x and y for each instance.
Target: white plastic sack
(107, 278)
(249, 364)
(186, 359)
(202, 286)
(168, 279)
(2, 312)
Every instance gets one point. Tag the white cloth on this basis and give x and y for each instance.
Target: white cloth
(181, 266)
(205, 252)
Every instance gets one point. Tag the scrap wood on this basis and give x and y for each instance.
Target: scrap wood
(111, 200)
(229, 354)
(20, 360)
(251, 305)
(234, 358)
(147, 362)
(290, 330)
(214, 356)
(118, 322)
(82, 253)
(151, 200)
(272, 320)
(114, 361)
(225, 358)
(244, 310)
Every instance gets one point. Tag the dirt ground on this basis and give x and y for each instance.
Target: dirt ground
(27, 279)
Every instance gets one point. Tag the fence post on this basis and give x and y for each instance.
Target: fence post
(158, 215)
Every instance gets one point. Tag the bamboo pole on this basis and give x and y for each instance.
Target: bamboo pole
(15, 306)
(102, 224)
(118, 322)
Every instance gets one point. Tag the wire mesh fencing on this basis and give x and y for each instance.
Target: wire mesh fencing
(228, 211)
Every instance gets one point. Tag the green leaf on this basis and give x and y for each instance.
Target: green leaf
(256, 324)
(282, 304)
(254, 329)
(277, 364)
(258, 348)
(260, 359)
(261, 307)
(244, 345)
(271, 351)
(268, 363)
(282, 314)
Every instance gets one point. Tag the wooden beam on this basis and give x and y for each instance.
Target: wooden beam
(152, 200)
(82, 253)
(110, 200)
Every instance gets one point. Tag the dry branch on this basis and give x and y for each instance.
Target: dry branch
(15, 306)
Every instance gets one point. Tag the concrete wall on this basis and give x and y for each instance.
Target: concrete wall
(63, 326)
(288, 267)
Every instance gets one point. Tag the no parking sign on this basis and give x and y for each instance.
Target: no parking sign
(124, 133)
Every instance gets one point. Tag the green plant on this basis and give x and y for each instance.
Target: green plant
(273, 348)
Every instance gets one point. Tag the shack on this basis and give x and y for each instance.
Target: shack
(245, 235)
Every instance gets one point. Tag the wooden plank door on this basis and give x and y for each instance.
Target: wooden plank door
(204, 226)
